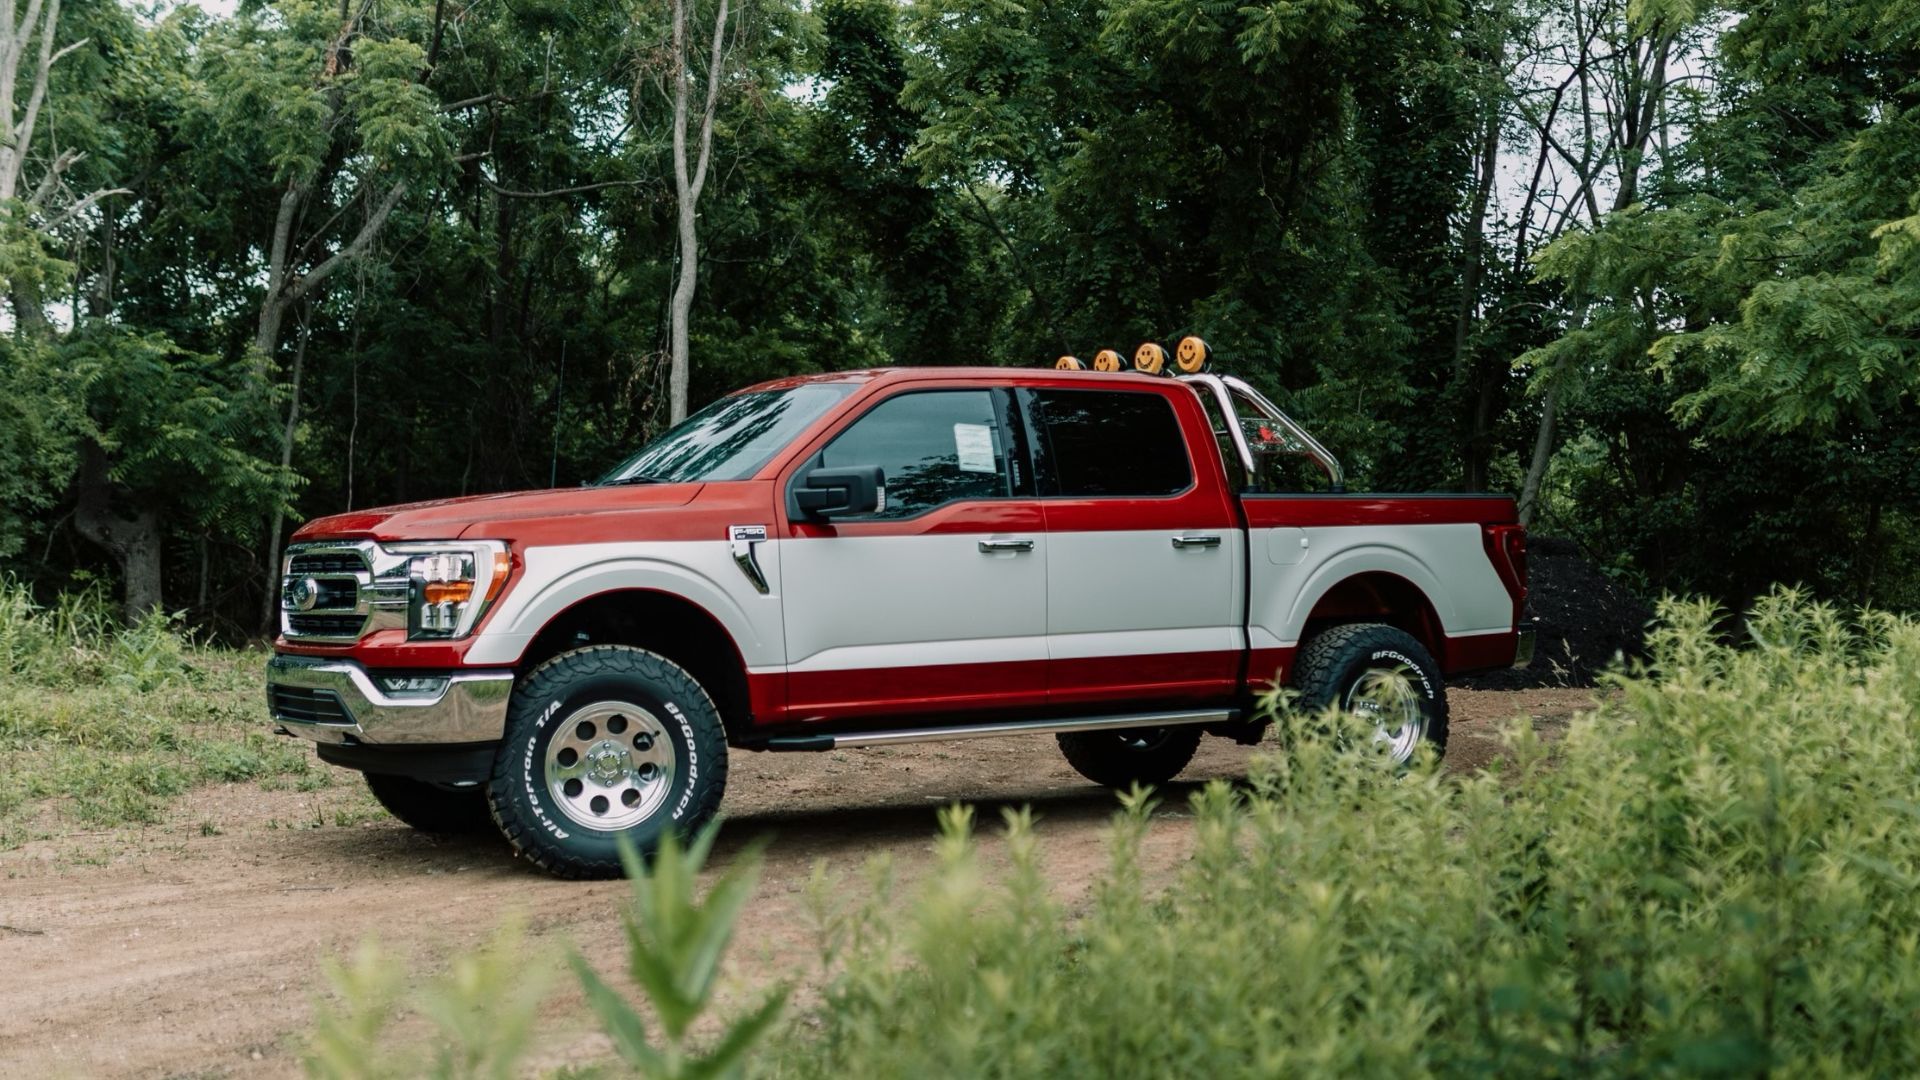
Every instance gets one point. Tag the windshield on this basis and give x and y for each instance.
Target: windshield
(731, 438)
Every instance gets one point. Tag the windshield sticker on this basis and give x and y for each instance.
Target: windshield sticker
(974, 444)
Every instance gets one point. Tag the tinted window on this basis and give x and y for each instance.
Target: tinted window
(731, 438)
(935, 447)
(1102, 442)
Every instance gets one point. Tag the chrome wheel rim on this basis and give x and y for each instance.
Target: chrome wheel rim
(1388, 700)
(610, 765)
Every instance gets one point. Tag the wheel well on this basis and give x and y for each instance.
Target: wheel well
(1383, 598)
(672, 626)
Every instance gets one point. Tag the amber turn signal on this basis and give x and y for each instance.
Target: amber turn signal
(447, 592)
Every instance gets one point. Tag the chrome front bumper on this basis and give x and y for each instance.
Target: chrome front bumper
(338, 701)
(1523, 649)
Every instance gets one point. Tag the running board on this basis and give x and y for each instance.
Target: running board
(1013, 727)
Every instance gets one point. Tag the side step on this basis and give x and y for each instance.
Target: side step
(1013, 727)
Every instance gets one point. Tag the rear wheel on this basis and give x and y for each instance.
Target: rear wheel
(1382, 676)
(431, 808)
(603, 743)
(1130, 756)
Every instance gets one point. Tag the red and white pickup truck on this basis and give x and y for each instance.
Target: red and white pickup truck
(874, 557)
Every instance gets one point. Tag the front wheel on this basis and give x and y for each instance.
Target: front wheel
(602, 743)
(1129, 756)
(1382, 676)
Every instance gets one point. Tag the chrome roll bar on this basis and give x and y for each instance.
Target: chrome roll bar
(1227, 387)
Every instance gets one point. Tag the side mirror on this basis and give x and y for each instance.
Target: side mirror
(854, 489)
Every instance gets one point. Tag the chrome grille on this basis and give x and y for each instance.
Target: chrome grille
(326, 562)
(344, 627)
(323, 596)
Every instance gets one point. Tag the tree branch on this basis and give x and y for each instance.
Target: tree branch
(354, 249)
(512, 194)
(81, 206)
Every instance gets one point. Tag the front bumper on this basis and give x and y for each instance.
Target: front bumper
(1523, 649)
(338, 702)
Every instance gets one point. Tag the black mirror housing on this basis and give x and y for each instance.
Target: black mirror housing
(853, 489)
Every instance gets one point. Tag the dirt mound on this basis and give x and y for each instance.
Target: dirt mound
(1585, 620)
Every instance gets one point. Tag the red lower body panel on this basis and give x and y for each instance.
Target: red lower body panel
(1479, 652)
(1165, 680)
(915, 691)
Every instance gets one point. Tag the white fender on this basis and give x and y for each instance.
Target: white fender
(701, 572)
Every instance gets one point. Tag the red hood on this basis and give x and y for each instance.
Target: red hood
(495, 517)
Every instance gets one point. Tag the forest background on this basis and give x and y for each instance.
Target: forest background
(1652, 265)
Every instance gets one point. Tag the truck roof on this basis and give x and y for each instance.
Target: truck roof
(975, 373)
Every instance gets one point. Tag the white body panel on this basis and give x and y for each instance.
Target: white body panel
(1133, 593)
(863, 602)
(876, 602)
(703, 571)
(1446, 562)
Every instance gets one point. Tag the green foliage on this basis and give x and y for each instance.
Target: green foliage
(105, 724)
(674, 946)
(1712, 875)
(953, 181)
(484, 1009)
(1747, 350)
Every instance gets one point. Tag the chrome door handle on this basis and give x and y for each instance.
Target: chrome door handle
(990, 546)
(1196, 541)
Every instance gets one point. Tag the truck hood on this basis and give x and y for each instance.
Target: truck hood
(496, 517)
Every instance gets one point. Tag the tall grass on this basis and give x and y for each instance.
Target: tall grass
(1715, 873)
(102, 723)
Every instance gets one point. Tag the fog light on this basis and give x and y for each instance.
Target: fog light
(412, 685)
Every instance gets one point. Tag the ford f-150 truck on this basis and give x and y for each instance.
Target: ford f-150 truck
(875, 557)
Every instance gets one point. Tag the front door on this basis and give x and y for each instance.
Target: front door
(1145, 565)
(937, 602)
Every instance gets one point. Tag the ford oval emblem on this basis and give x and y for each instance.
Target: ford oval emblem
(303, 594)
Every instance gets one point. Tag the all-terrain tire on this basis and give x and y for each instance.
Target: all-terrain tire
(431, 808)
(622, 693)
(1339, 661)
(1126, 756)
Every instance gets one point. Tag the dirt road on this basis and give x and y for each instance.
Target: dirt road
(193, 948)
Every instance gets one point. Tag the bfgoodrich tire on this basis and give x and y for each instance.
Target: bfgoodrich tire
(1379, 674)
(604, 742)
(1128, 756)
(431, 808)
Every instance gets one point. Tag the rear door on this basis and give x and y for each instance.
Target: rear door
(936, 603)
(1145, 563)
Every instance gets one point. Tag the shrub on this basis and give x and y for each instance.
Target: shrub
(484, 1008)
(1715, 874)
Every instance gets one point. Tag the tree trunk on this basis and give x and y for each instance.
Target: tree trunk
(1473, 260)
(270, 602)
(133, 542)
(1542, 453)
(678, 367)
(687, 185)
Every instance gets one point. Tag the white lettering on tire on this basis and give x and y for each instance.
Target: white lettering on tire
(1426, 685)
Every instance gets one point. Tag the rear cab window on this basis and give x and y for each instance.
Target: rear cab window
(1109, 444)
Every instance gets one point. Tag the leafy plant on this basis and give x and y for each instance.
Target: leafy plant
(674, 946)
(1712, 874)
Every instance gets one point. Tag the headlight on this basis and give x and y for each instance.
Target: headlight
(449, 585)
